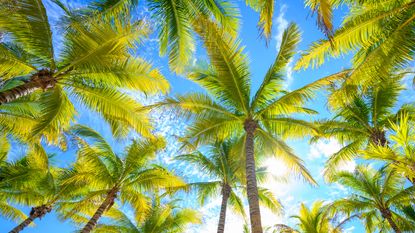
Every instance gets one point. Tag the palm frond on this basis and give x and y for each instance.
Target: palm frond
(28, 26)
(231, 82)
(13, 64)
(280, 149)
(120, 110)
(273, 81)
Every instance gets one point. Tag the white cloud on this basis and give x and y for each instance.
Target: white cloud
(323, 148)
(282, 24)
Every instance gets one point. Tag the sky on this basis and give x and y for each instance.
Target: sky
(291, 193)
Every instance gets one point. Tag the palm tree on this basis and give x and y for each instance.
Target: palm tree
(7, 210)
(364, 120)
(400, 153)
(228, 110)
(378, 196)
(377, 31)
(224, 168)
(316, 219)
(31, 181)
(110, 177)
(90, 69)
(162, 217)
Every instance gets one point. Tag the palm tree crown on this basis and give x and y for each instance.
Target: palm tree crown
(228, 109)
(361, 122)
(109, 177)
(222, 165)
(91, 68)
(379, 196)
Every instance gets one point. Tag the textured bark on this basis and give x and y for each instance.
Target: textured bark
(388, 216)
(106, 205)
(226, 190)
(378, 137)
(41, 80)
(36, 212)
(251, 182)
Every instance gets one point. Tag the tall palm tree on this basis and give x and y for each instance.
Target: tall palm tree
(316, 219)
(378, 196)
(224, 169)
(161, 217)
(229, 109)
(364, 120)
(380, 32)
(400, 154)
(92, 67)
(110, 177)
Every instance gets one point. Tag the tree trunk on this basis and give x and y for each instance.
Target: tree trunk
(388, 216)
(378, 137)
(226, 190)
(36, 212)
(41, 80)
(251, 182)
(106, 205)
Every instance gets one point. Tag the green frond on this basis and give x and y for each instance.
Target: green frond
(175, 34)
(361, 30)
(208, 130)
(154, 178)
(132, 74)
(13, 64)
(285, 103)
(120, 110)
(99, 46)
(29, 27)
(236, 203)
(57, 114)
(268, 200)
(141, 151)
(206, 190)
(324, 14)
(4, 147)
(345, 154)
(113, 8)
(289, 127)
(266, 13)
(280, 149)
(231, 83)
(9, 212)
(225, 12)
(274, 79)
(201, 161)
(88, 133)
(197, 104)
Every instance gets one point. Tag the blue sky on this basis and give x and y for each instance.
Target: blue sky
(261, 56)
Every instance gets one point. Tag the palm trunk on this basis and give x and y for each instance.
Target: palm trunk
(106, 205)
(388, 216)
(226, 189)
(41, 80)
(36, 212)
(251, 182)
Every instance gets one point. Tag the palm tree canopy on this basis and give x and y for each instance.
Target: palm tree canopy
(99, 169)
(379, 32)
(162, 217)
(400, 154)
(91, 69)
(364, 120)
(375, 192)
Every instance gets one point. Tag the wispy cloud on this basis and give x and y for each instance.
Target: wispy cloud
(282, 24)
